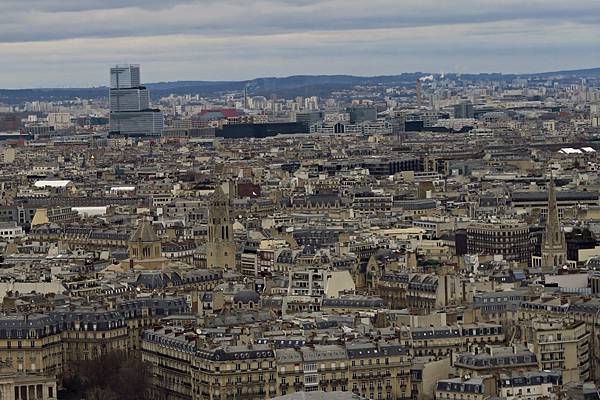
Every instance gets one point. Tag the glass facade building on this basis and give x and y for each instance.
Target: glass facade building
(130, 112)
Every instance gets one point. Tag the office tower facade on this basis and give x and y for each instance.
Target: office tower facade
(419, 93)
(309, 118)
(9, 122)
(130, 112)
(246, 98)
(361, 113)
(464, 110)
(125, 76)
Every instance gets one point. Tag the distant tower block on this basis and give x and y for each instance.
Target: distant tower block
(419, 93)
(220, 250)
(554, 247)
(129, 100)
(246, 98)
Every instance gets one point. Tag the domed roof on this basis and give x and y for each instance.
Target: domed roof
(246, 296)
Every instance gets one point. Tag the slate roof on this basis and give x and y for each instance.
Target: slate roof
(485, 360)
(230, 353)
(246, 296)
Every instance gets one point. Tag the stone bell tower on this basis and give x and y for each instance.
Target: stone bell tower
(220, 249)
(145, 248)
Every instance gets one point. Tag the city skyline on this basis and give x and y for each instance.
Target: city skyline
(377, 217)
(191, 40)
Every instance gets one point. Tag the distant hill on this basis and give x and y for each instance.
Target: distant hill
(579, 73)
(297, 85)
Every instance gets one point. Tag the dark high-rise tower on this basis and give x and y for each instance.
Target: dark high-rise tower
(246, 98)
(419, 93)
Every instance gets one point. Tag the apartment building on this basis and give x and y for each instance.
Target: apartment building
(257, 371)
(31, 343)
(87, 333)
(507, 238)
(379, 371)
(169, 352)
(494, 360)
(240, 372)
(367, 203)
(499, 306)
(420, 291)
(448, 340)
(477, 388)
(312, 368)
(52, 343)
(531, 385)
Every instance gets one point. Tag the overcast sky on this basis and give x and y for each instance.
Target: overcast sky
(69, 43)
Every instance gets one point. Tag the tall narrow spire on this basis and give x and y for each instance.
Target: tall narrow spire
(553, 235)
(554, 246)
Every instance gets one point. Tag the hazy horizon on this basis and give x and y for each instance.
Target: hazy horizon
(72, 43)
(105, 84)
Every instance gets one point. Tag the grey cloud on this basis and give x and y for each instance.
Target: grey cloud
(87, 5)
(55, 19)
(71, 42)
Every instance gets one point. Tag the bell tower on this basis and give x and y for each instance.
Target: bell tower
(220, 249)
(144, 247)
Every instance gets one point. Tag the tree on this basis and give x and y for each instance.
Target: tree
(112, 376)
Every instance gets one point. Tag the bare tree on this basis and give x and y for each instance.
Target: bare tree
(112, 376)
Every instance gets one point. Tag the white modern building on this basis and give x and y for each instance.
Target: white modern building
(319, 282)
(10, 231)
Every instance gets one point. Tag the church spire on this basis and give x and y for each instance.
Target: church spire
(552, 221)
(554, 246)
